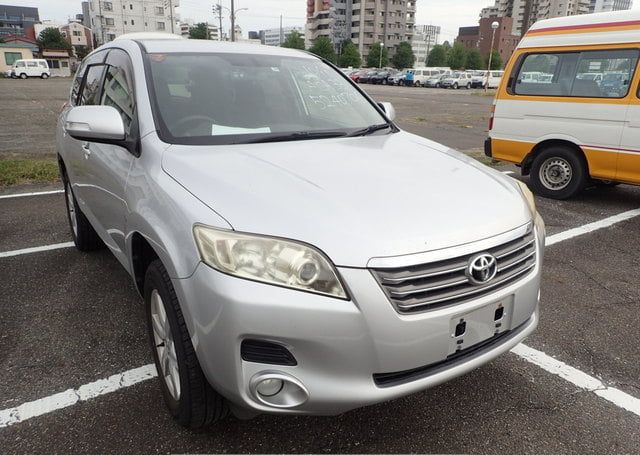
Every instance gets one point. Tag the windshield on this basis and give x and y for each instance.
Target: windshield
(238, 98)
(456, 75)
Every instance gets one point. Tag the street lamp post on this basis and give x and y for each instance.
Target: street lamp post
(381, 48)
(494, 26)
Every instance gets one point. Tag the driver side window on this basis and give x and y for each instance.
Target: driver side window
(117, 90)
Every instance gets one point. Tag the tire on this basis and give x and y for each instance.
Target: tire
(23, 76)
(455, 86)
(44, 75)
(192, 401)
(559, 173)
(468, 85)
(84, 236)
(437, 84)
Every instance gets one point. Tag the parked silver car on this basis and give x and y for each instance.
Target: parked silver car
(296, 251)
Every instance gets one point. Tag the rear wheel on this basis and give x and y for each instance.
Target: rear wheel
(468, 85)
(187, 394)
(23, 76)
(558, 173)
(84, 236)
(44, 75)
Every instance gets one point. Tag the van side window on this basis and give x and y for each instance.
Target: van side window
(589, 74)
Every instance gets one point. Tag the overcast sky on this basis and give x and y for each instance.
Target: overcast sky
(263, 14)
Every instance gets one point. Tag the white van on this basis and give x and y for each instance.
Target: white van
(420, 75)
(480, 79)
(29, 68)
(568, 109)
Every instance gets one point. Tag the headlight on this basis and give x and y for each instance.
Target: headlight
(528, 195)
(269, 260)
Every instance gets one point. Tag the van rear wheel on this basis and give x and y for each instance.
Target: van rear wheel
(558, 173)
(44, 75)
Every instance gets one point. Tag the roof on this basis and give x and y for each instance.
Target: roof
(16, 46)
(210, 46)
(599, 28)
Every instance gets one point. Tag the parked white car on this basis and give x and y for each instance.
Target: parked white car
(456, 80)
(483, 78)
(29, 68)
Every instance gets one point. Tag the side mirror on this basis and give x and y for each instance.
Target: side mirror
(101, 124)
(389, 110)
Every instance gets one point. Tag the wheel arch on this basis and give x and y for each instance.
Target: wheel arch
(545, 144)
(142, 254)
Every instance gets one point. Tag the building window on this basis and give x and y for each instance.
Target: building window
(11, 57)
(109, 21)
(77, 33)
(133, 22)
(130, 6)
(159, 11)
(107, 6)
(54, 64)
(159, 25)
(64, 64)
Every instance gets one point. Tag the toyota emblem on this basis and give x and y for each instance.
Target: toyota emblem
(482, 268)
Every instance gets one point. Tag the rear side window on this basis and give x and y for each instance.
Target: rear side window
(590, 74)
(32, 64)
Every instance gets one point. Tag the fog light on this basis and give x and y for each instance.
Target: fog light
(269, 387)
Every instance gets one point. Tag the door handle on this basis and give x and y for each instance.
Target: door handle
(86, 150)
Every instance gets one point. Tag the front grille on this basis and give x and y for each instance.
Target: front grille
(443, 283)
(260, 351)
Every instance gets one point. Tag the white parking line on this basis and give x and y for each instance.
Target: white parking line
(73, 396)
(39, 193)
(36, 249)
(131, 377)
(578, 378)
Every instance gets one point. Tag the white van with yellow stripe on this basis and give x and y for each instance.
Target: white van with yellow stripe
(569, 111)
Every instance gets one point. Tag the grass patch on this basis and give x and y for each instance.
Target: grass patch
(20, 171)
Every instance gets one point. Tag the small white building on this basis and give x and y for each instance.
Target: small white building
(277, 36)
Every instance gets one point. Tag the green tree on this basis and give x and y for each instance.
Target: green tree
(199, 31)
(82, 51)
(323, 47)
(294, 41)
(51, 38)
(373, 59)
(474, 60)
(350, 56)
(437, 56)
(457, 57)
(496, 60)
(404, 57)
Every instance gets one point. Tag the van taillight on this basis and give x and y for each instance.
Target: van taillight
(493, 111)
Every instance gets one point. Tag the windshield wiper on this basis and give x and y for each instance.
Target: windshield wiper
(298, 136)
(370, 130)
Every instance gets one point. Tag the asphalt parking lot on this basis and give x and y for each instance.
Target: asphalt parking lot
(69, 319)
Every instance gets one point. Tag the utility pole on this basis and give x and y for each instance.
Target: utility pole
(494, 26)
(281, 32)
(217, 9)
(233, 21)
(169, 4)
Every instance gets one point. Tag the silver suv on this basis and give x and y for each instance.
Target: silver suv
(296, 251)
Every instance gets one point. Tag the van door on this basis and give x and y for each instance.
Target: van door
(629, 154)
(32, 68)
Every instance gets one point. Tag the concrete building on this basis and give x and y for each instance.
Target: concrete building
(77, 35)
(365, 22)
(601, 6)
(213, 29)
(18, 20)
(526, 12)
(111, 18)
(86, 18)
(276, 36)
(424, 38)
(479, 37)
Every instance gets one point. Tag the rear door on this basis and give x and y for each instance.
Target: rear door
(629, 154)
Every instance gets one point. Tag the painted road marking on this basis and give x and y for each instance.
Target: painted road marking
(128, 378)
(73, 396)
(39, 193)
(36, 249)
(578, 378)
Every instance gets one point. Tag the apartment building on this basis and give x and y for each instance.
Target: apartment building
(112, 18)
(18, 20)
(277, 36)
(212, 29)
(526, 12)
(601, 6)
(365, 22)
(424, 38)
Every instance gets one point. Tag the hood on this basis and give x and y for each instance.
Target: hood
(354, 198)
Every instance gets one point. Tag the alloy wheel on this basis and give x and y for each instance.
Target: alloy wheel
(164, 345)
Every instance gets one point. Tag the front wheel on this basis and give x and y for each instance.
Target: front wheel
(186, 391)
(44, 75)
(23, 76)
(468, 85)
(558, 173)
(456, 86)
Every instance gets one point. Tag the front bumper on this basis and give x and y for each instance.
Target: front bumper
(340, 346)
